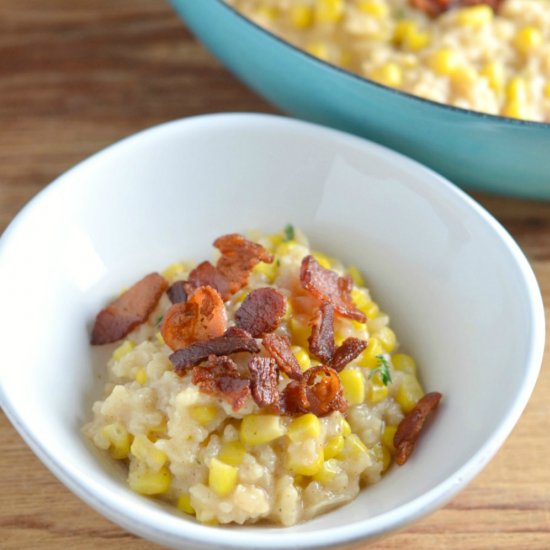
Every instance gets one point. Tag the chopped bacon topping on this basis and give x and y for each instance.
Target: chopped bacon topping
(410, 427)
(264, 376)
(278, 346)
(129, 310)
(321, 340)
(206, 274)
(234, 340)
(328, 286)
(220, 377)
(261, 311)
(433, 8)
(176, 292)
(347, 352)
(201, 318)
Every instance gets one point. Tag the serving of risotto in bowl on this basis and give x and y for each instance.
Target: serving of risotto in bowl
(263, 342)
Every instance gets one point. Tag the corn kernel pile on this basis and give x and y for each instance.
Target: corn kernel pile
(468, 57)
(193, 450)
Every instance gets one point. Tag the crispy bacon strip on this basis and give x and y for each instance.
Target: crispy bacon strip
(261, 311)
(264, 376)
(328, 286)
(410, 427)
(346, 353)
(201, 318)
(234, 340)
(433, 8)
(278, 346)
(321, 340)
(220, 377)
(129, 310)
(238, 259)
(176, 292)
(205, 274)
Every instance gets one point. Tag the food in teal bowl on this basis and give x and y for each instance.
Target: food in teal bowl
(488, 152)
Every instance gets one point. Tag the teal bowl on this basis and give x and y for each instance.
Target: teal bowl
(474, 150)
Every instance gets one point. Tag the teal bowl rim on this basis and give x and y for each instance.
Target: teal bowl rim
(498, 119)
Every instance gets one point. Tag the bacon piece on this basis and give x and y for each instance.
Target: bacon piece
(201, 318)
(264, 376)
(205, 274)
(328, 286)
(410, 427)
(278, 346)
(346, 353)
(433, 8)
(129, 310)
(220, 377)
(261, 311)
(234, 340)
(238, 259)
(176, 292)
(321, 340)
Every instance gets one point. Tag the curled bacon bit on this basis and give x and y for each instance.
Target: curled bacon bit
(278, 346)
(176, 292)
(220, 377)
(205, 274)
(261, 311)
(433, 8)
(201, 318)
(410, 427)
(328, 286)
(129, 310)
(264, 376)
(347, 352)
(233, 341)
(238, 259)
(321, 340)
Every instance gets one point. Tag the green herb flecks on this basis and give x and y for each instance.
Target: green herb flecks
(289, 232)
(158, 320)
(383, 369)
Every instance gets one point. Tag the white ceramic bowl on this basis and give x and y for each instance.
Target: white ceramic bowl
(460, 293)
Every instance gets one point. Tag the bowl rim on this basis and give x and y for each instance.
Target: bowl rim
(165, 528)
(498, 119)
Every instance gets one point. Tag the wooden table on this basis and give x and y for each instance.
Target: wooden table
(77, 76)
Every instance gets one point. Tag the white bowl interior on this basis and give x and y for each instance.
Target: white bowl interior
(461, 297)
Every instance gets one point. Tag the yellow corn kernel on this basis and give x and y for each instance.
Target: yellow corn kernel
(494, 73)
(333, 446)
(404, 363)
(300, 332)
(387, 437)
(355, 274)
(474, 16)
(172, 270)
(159, 338)
(269, 271)
(301, 16)
(387, 338)
(527, 40)
(406, 34)
(304, 427)
(275, 240)
(329, 11)
(346, 428)
(299, 465)
(302, 357)
(329, 470)
(353, 384)
(364, 303)
(119, 439)
(369, 357)
(184, 504)
(378, 391)
(402, 28)
(377, 9)
(547, 90)
(417, 40)
(232, 453)
(203, 414)
(258, 429)
(444, 61)
(266, 12)
(123, 349)
(514, 109)
(141, 376)
(323, 260)
(409, 392)
(463, 77)
(150, 482)
(285, 248)
(389, 74)
(353, 447)
(517, 90)
(319, 50)
(222, 478)
(146, 451)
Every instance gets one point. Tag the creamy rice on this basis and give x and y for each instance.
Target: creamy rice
(466, 57)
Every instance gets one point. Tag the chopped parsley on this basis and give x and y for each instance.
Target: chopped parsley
(383, 369)
(289, 232)
(158, 320)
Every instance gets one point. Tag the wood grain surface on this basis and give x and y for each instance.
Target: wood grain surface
(77, 76)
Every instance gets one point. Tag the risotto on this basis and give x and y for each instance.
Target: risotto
(264, 387)
(470, 57)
